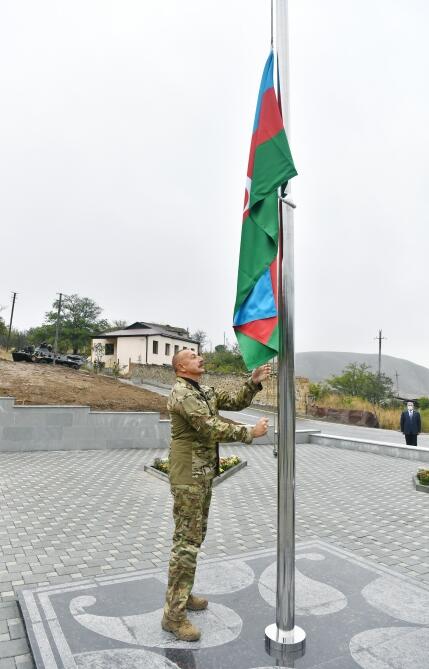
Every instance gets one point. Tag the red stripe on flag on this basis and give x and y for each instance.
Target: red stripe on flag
(259, 330)
(251, 156)
(270, 124)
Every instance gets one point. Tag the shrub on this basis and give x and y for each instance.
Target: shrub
(423, 403)
(117, 369)
(319, 390)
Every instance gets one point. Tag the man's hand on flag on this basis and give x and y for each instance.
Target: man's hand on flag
(261, 373)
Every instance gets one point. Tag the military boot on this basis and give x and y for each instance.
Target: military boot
(195, 603)
(183, 629)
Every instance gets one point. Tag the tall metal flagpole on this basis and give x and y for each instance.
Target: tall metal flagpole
(284, 636)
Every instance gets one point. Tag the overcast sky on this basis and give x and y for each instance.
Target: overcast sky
(124, 136)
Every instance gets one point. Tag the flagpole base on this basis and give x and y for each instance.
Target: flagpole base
(279, 641)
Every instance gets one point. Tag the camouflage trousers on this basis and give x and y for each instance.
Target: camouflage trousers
(191, 504)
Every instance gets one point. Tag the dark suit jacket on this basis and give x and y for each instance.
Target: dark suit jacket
(411, 425)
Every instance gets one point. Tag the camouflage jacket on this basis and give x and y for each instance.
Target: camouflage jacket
(197, 428)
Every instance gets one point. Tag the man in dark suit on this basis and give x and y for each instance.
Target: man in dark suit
(411, 424)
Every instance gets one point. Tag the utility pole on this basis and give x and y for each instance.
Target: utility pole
(397, 383)
(380, 338)
(11, 319)
(57, 327)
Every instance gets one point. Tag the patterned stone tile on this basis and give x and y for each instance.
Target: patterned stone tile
(355, 614)
(99, 508)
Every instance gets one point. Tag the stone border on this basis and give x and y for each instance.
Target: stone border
(419, 486)
(414, 453)
(218, 479)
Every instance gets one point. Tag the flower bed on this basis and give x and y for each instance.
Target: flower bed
(162, 464)
(423, 476)
(228, 467)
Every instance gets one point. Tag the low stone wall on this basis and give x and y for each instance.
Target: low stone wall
(346, 416)
(164, 375)
(59, 428)
(56, 428)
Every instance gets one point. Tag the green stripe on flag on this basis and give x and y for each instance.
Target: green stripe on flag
(271, 159)
(258, 246)
(254, 353)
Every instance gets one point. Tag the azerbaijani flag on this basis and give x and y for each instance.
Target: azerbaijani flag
(270, 166)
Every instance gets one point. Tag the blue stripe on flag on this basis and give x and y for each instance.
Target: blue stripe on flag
(266, 83)
(259, 304)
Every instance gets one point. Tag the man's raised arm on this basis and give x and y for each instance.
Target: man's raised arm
(213, 428)
(243, 397)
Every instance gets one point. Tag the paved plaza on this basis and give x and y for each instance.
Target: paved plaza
(67, 517)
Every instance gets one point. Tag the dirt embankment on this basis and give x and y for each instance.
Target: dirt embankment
(33, 383)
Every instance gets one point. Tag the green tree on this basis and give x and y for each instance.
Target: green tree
(46, 333)
(223, 360)
(3, 328)
(18, 339)
(357, 381)
(379, 388)
(80, 321)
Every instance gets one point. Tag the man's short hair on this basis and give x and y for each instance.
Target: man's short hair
(176, 360)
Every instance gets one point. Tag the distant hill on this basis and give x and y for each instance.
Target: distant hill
(319, 365)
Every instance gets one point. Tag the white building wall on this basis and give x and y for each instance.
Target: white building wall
(131, 349)
(161, 358)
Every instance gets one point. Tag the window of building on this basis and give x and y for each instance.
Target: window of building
(176, 349)
(167, 349)
(154, 346)
(109, 349)
(192, 349)
(185, 348)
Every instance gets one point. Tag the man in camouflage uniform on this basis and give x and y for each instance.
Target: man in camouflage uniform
(197, 429)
